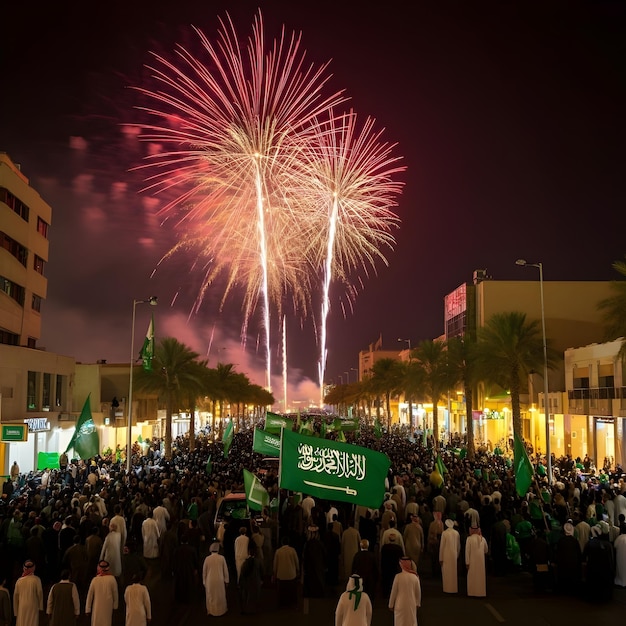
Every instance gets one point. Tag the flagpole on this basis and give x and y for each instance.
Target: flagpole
(152, 300)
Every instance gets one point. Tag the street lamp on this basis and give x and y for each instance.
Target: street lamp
(152, 301)
(407, 341)
(354, 369)
(347, 377)
(545, 364)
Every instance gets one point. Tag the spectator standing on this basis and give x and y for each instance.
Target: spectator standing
(215, 578)
(63, 606)
(285, 573)
(138, 605)
(364, 564)
(150, 534)
(475, 551)
(241, 549)
(406, 594)
(102, 597)
(449, 551)
(355, 606)
(27, 597)
(6, 615)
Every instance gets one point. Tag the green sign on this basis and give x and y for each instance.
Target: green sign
(266, 443)
(49, 460)
(332, 470)
(14, 432)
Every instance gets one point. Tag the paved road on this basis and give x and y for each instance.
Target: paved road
(511, 600)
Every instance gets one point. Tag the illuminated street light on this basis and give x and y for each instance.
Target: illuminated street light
(524, 263)
(152, 301)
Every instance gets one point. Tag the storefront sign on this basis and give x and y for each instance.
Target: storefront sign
(37, 424)
(605, 420)
(14, 432)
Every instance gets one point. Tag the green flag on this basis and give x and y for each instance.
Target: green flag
(209, 465)
(85, 440)
(227, 438)
(341, 437)
(306, 428)
(48, 460)
(147, 351)
(440, 466)
(378, 430)
(323, 429)
(256, 494)
(522, 467)
(274, 422)
(265, 443)
(332, 470)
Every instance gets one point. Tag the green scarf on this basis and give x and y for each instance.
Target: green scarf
(356, 591)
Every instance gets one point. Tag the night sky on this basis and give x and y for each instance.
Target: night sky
(509, 117)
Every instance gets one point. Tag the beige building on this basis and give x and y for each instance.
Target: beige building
(572, 318)
(594, 420)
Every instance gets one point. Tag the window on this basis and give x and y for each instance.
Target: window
(31, 400)
(14, 203)
(36, 306)
(17, 292)
(39, 265)
(31, 342)
(16, 249)
(59, 396)
(8, 339)
(46, 391)
(42, 227)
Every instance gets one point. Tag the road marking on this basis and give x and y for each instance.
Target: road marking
(495, 613)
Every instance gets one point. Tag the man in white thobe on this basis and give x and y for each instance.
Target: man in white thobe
(354, 607)
(215, 578)
(449, 551)
(111, 550)
(150, 534)
(620, 558)
(241, 549)
(406, 595)
(161, 516)
(102, 597)
(28, 597)
(475, 551)
(138, 605)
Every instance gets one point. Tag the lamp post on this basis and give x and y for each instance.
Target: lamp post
(546, 407)
(347, 377)
(152, 301)
(354, 369)
(410, 403)
(407, 341)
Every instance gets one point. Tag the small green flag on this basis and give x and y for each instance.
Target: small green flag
(323, 430)
(378, 430)
(256, 494)
(274, 422)
(266, 443)
(147, 351)
(440, 466)
(227, 439)
(209, 465)
(522, 467)
(306, 428)
(85, 441)
(341, 437)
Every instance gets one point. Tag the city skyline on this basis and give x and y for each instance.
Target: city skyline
(509, 120)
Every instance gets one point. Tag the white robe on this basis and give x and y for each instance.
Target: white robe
(405, 598)
(345, 615)
(241, 552)
(138, 606)
(620, 561)
(111, 552)
(150, 534)
(214, 579)
(102, 600)
(449, 551)
(475, 550)
(27, 600)
(161, 517)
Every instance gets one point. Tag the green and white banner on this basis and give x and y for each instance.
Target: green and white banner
(266, 443)
(274, 422)
(332, 470)
(256, 493)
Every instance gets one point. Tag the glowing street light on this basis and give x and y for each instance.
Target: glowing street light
(524, 263)
(152, 301)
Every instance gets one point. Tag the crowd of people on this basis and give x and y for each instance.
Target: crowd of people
(79, 539)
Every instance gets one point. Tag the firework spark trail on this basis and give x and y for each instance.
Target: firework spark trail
(230, 124)
(349, 181)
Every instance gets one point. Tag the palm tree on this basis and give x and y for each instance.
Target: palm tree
(462, 366)
(432, 361)
(175, 377)
(387, 375)
(413, 384)
(510, 348)
(614, 308)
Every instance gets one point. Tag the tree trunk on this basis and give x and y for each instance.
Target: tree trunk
(435, 425)
(192, 428)
(469, 421)
(388, 407)
(168, 427)
(515, 404)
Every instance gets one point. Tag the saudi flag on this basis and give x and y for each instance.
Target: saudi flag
(209, 465)
(378, 430)
(332, 470)
(274, 422)
(227, 439)
(441, 468)
(147, 351)
(85, 440)
(266, 443)
(523, 468)
(256, 494)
